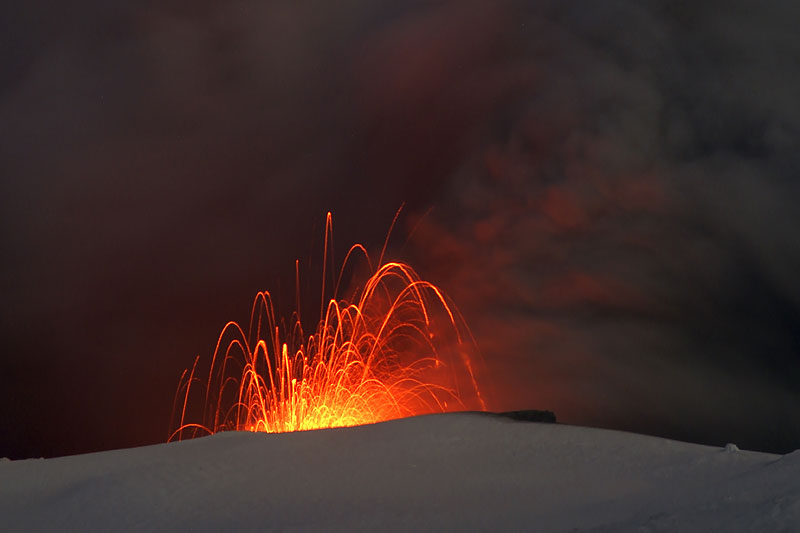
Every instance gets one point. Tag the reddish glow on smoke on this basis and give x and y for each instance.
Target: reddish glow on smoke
(395, 348)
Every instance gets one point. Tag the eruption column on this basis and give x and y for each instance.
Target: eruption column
(397, 348)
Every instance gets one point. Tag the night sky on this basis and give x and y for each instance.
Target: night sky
(607, 190)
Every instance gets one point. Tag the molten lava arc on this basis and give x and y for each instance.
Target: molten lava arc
(397, 348)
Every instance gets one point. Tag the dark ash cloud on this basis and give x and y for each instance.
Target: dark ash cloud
(624, 243)
(613, 190)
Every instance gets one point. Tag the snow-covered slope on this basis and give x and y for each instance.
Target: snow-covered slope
(442, 472)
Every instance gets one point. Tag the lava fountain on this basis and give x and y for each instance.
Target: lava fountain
(396, 348)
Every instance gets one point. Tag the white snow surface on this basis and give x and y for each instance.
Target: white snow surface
(451, 472)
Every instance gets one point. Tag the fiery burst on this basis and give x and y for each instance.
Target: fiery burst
(396, 348)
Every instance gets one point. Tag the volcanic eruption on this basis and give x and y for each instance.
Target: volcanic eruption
(396, 347)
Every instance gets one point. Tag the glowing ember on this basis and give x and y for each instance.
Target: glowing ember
(395, 349)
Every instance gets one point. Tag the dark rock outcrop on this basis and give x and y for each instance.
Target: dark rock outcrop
(530, 415)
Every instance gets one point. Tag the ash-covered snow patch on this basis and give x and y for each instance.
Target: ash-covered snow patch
(441, 472)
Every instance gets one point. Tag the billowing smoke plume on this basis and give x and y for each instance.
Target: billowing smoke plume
(612, 189)
(623, 241)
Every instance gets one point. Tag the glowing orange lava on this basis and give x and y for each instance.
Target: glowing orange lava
(396, 348)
